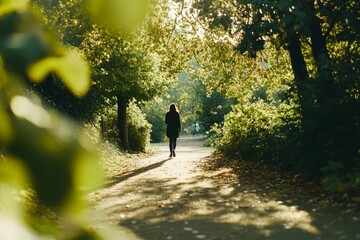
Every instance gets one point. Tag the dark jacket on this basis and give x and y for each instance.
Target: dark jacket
(172, 119)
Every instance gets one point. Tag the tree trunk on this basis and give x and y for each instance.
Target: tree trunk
(122, 103)
(325, 87)
(326, 114)
(305, 94)
(300, 74)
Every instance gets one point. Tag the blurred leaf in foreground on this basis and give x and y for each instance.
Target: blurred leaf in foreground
(11, 5)
(71, 68)
(119, 14)
(39, 148)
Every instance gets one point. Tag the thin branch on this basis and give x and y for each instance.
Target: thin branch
(175, 22)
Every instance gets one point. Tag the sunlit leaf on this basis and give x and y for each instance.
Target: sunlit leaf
(71, 68)
(24, 108)
(12, 173)
(13, 178)
(12, 5)
(123, 14)
(47, 151)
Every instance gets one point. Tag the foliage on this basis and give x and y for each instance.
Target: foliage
(214, 135)
(59, 97)
(126, 63)
(195, 105)
(123, 14)
(107, 122)
(155, 114)
(120, 64)
(139, 129)
(132, 74)
(54, 160)
(262, 130)
(316, 44)
(214, 107)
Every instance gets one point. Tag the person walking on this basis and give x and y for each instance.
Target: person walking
(172, 120)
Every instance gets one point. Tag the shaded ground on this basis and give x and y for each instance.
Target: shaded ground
(187, 198)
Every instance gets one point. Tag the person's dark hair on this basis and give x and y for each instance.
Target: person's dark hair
(173, 107)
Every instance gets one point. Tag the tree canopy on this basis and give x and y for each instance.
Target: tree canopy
(309, 40)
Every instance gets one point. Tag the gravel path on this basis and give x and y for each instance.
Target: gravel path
(173, 198)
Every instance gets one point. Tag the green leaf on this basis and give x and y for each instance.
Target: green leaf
(71, 68)
(12, 5)
(123, 14)
(14, 175)
(13, 178)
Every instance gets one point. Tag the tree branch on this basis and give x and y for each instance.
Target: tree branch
(175, 22)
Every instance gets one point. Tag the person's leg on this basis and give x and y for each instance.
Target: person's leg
(171, 147)
(174, 146)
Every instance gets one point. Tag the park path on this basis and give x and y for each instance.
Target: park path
(174, 198)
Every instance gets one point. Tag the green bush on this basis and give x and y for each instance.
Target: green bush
(214, 135)
(262, 130)
(155, 115)
(108, 125)
(138, 127)
(158, 131)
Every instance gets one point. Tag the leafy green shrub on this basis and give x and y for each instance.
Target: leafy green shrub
(260, 130)
(108, 125)
(158, 127)
(139, 129)
(267, 127)
(155, 115)
(214, 135)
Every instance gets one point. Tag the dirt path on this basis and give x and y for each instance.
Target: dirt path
(173, 198)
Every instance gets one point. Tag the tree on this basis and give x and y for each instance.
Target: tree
(123, 66)
(131, 76)
(284, 23)
(306, 30)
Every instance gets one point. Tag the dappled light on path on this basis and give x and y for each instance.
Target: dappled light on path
(172, 198)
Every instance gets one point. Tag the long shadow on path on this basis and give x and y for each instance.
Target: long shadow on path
(136, 172)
